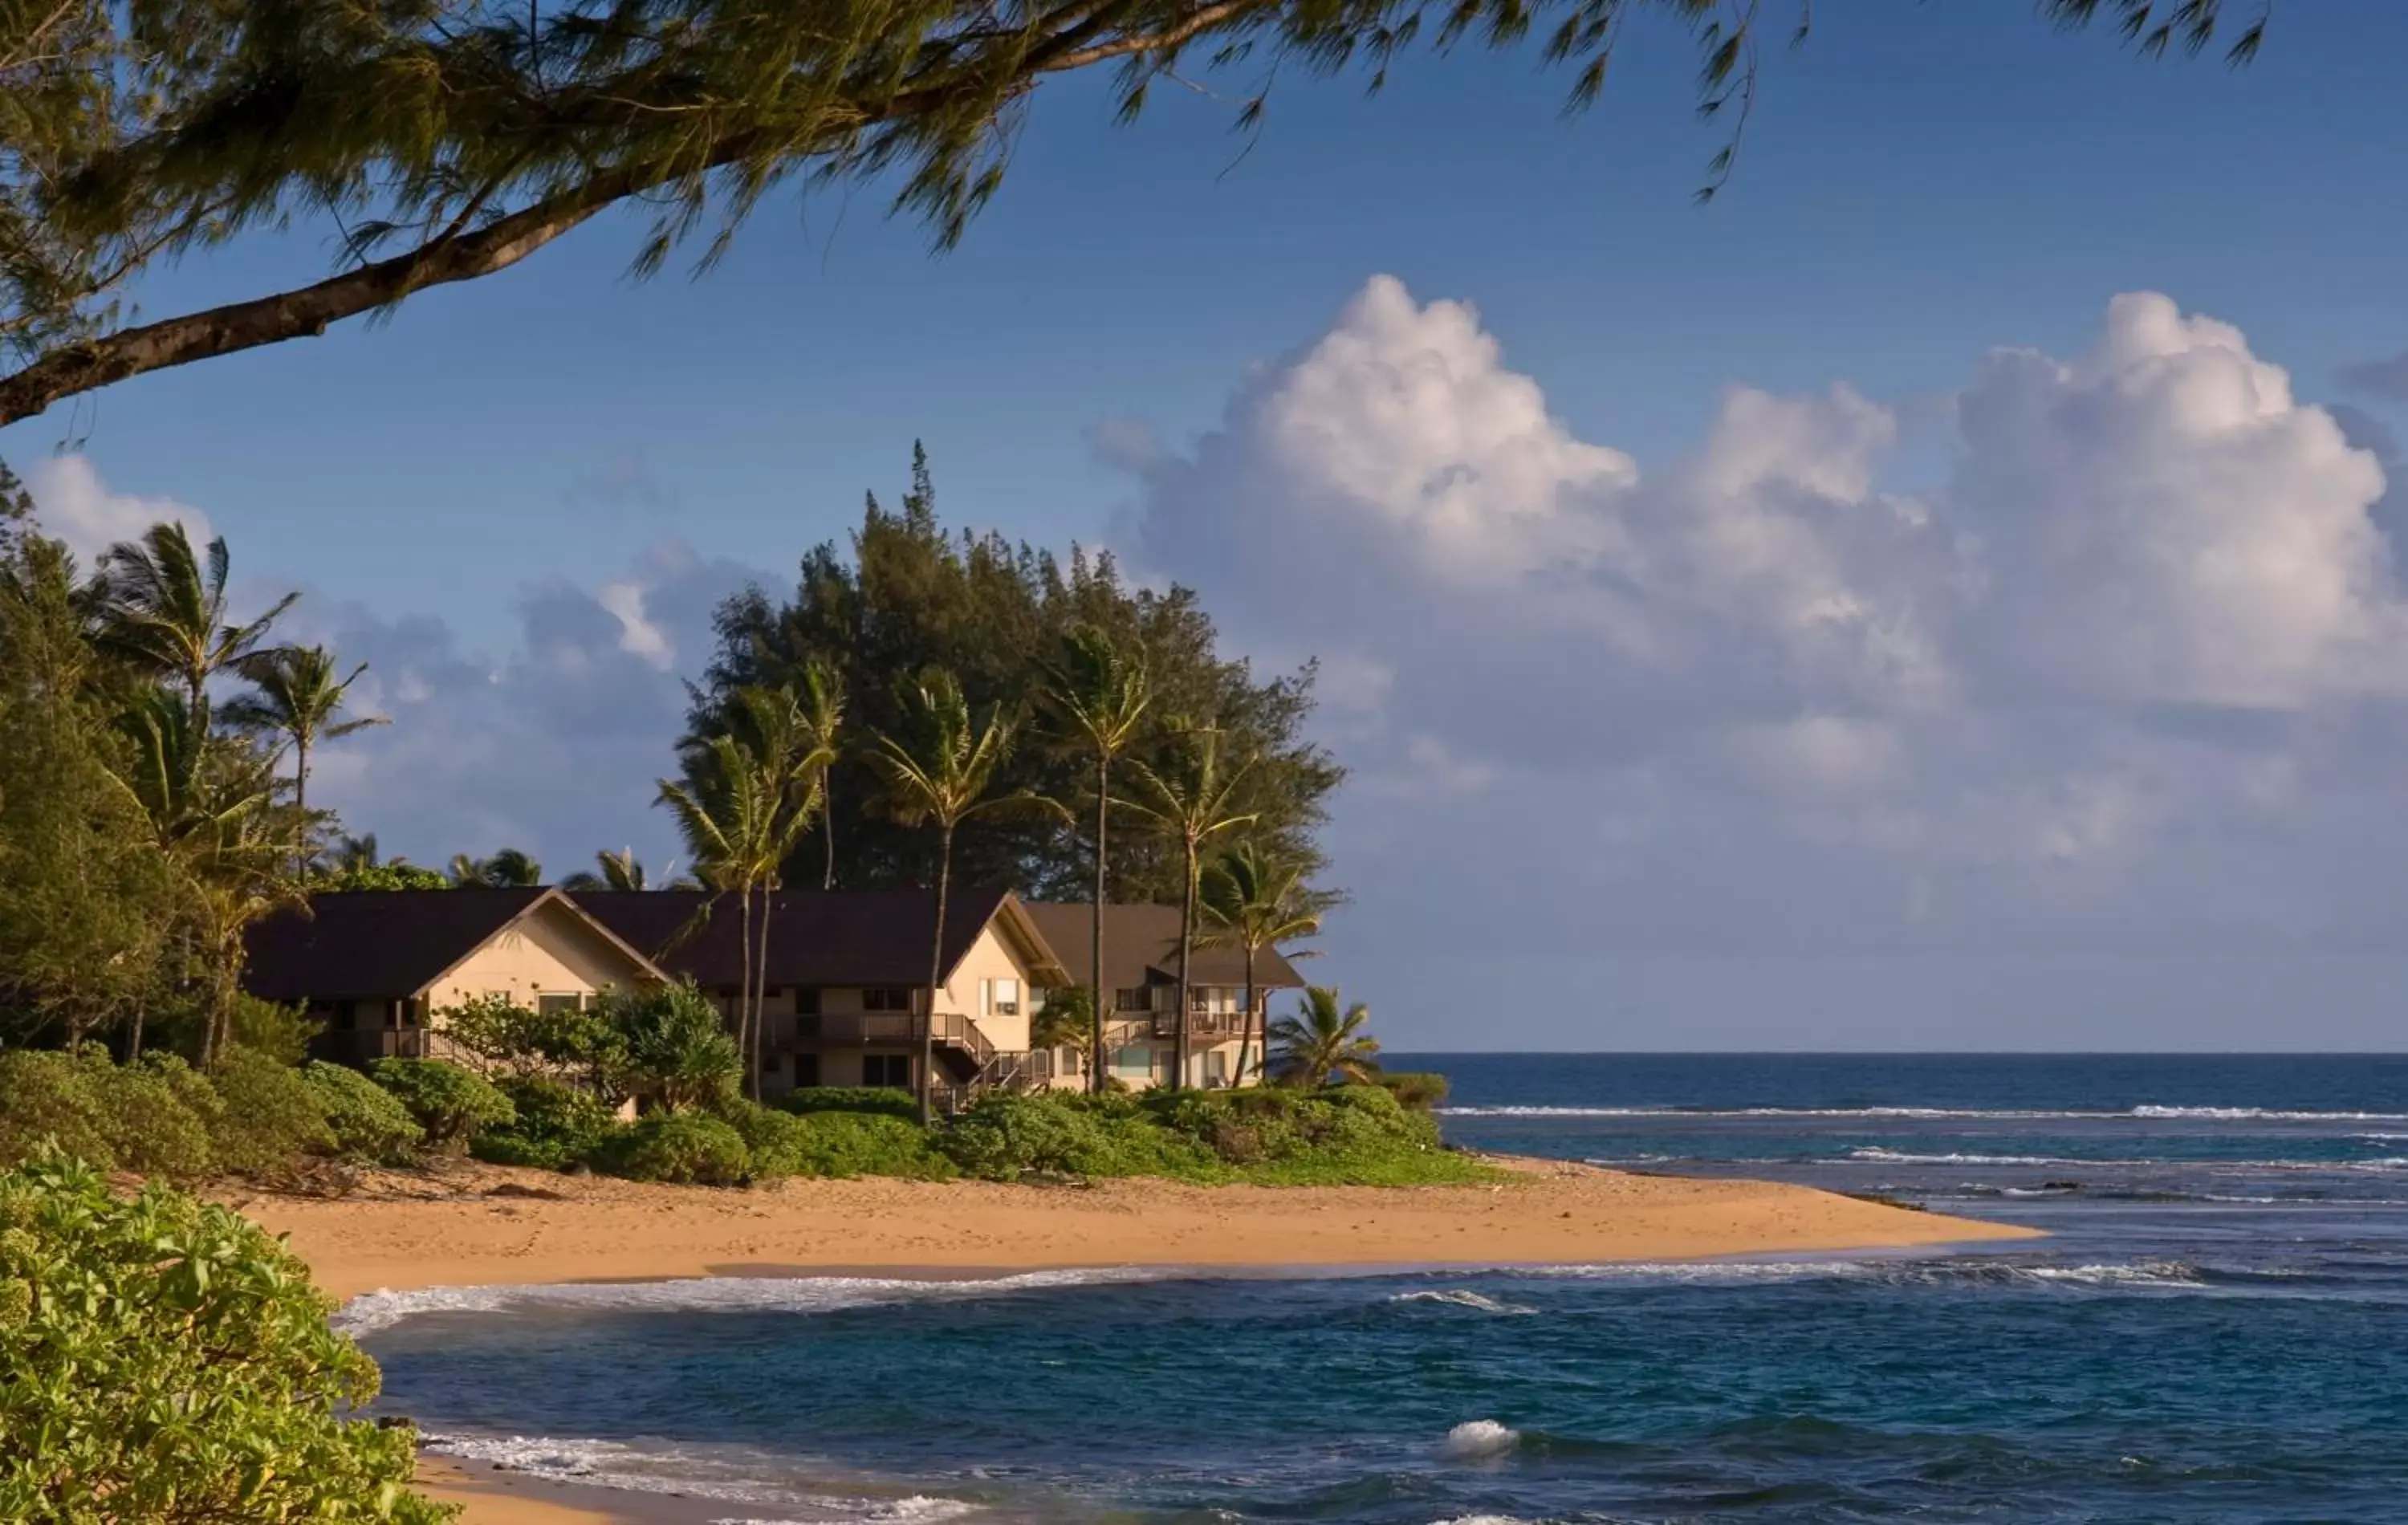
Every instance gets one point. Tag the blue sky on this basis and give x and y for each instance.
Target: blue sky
(1920, 185)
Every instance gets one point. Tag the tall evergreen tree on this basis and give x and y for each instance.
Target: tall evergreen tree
(908, 594)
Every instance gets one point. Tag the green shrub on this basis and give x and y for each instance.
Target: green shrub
(555, 1126)
(683, 1147)
(369, 1122)
(151, 1128)
(268, 1114)
(1004, 1137)
(881, 1099)
(165, 1360)
(676, 1051)
(450, 1103)
(834, 1144)
(48, 1095)
(1420, 1090)
(280, 1033)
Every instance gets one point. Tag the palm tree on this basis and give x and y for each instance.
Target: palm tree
(791, 747)
(822, 708)
(508, 869)
(1094, 698)
(940, 776)
(358, 851)
(620, 869)
(1317, 1046)
(212, 804)
(1194, 802)
(163, 611)
(1253, 902)
(722, 813)
(298, 699)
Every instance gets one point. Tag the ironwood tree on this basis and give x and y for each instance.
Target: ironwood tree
(445, 141)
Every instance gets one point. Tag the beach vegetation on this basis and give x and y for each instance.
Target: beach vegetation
(1197, 796)
(882, 1101)
(674, 1052)
(1094, 695)
(164, 1360)
(835, 1143)
(451, 1102)
(1321, 1044)
(268, 1114)
(937, 768)
(367, 1121)
(554, 1126)
(682, 1148)
(1424, 1090)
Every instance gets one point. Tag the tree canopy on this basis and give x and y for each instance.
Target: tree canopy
(911, 595)
(450, 139)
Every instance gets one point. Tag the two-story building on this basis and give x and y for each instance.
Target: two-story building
(1142, 972)
(845, 992)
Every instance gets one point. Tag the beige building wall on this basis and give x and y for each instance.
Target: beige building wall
(972, 992)
(550, 952)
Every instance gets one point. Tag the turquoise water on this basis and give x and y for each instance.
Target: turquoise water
(2217, 1331)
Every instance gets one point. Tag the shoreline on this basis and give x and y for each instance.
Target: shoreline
(465, 1226)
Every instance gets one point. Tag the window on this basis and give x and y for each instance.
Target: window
(1216, 1068)
(1134, 1062)
(807, 1069)
(889, 1070)
(886, 998)
(807, 1002)
(546, 1005)
(1139, 998)
(1000, 998)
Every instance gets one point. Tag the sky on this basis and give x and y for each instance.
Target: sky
(1938, 594)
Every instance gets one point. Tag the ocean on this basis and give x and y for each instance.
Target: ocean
(2217, 1331)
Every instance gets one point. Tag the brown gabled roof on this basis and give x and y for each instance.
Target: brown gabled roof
(381, 945)
(842, 938)
(1142, 947)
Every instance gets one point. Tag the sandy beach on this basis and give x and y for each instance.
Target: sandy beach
(471, 1225)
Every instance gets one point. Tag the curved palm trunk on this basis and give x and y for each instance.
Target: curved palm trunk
(936, 973)
(1096, 942)
(1246, 1027)
(1186, 957)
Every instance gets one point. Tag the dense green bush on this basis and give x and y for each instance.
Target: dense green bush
(452, 1104)
(677, 1051)
(683, 1147)
(280, 1033)
(369, 1122)
(883, 1100)
(555, 1126)
(268, 1114)
(153, 1126)
(834, 1144)
(1005, 1137)
(165, 1360)
(1423, 1090)
(48, 1095)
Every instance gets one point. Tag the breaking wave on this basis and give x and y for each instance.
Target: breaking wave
(373, 1311)
(694, 1474)
(1479, 1438)
(1463, 1297)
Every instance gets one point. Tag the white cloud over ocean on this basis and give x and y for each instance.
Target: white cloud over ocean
(2131, 671)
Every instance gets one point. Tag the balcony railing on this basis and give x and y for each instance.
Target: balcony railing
(892, 1027)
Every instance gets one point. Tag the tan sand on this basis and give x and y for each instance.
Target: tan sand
(479, 1225)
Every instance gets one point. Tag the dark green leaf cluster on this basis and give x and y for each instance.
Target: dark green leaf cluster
(450, 1103)
(683, 1148)
(160, 1118)
(906, 596)
(369, 1122)
(554, 1125)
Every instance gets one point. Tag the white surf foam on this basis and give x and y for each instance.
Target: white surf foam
(372, 1311)
(635, 1469)
(1463, 1297)
(1479, 1438)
